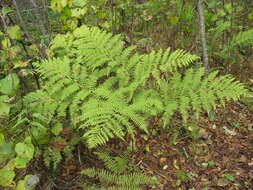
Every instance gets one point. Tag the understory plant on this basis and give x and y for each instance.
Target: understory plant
(97, 89)
(118, 174)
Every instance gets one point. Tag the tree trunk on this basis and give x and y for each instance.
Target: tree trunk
(38, 17)
(22, 23)
(203, 33)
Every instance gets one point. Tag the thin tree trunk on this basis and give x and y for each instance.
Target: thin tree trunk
(39, 17)
(4, 23)
(203, 33)
(47, 20)
(22, 23)
(41, 50)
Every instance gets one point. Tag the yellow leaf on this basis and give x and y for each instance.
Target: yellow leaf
(175, 164)
(190, 128)
(64, 3)
(34, 47)
(6, 43)
(14, 51)
(147, 148)
(21, 64)
(163, 160)
(173, 20)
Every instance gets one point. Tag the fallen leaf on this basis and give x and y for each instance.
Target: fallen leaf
(175, 164)
(229, 132)
(243, 159)
(203, 133)
(162, 160)
(222, 182)
(165, 167)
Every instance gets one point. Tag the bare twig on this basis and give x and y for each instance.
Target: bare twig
(79, 155)
(148, 168)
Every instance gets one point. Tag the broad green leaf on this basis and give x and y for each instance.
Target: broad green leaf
(6, 10)
(6, 151)
(21, 162)
(7, 173)
(229, 177)
(6, 43)
(25, 149)
(29, 151)
(25, 152)
(2, 139)
(4, 107)
(20, 148)
(40, 134)
(64, 3)
(10, 165)
(56, 6)
(6, 176)
(21, 185)
(28, 140)
(212, 4)
(10, 84)
(79, 3)
(78, 12)
(15, 32)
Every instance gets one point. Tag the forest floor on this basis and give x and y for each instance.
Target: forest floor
(221, 159)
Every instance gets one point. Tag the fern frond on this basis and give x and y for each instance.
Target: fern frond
(219, 30)
(125, 180)
(245, 37)
(52, 157)
(195, 92)
(124, 188)
(108, 91)
(100, 48)
(176, 60)
(116, 164)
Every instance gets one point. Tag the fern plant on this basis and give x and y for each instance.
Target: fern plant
(117, 175)
(193, 92)
(116, 164)
(106, 90)
(243, 38)
(238, 41)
